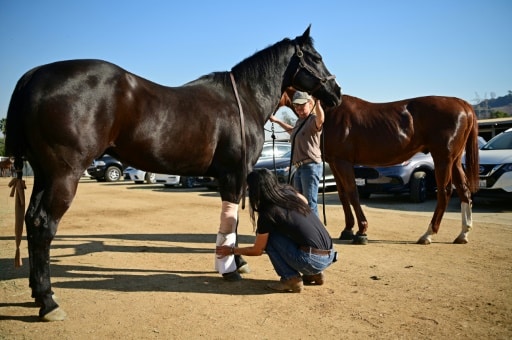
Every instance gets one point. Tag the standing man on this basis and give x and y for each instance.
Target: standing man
(305, 138)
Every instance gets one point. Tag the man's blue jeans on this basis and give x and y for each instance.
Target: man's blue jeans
(306, 180)
(289, 261)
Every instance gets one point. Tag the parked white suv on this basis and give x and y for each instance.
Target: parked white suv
(496, 166)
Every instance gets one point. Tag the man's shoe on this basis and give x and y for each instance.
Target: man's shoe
(317, 279)
(293, 285)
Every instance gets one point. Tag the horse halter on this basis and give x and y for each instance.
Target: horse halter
(310, 70)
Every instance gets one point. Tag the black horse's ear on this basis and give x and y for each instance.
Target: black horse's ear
(305, 36)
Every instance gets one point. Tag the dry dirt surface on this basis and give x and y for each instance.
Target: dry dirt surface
(136, 262)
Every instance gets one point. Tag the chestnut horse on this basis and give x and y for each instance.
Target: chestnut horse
(65, 114)
(382, 134)
(6, 168)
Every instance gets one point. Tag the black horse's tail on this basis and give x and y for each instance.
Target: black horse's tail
(15, 138)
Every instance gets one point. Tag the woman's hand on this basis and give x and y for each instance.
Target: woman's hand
(224, 251)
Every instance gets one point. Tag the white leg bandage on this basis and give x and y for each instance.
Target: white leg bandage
(467, 217)
(228, 217)
(467, 223)
(227, 263)
(226, 236)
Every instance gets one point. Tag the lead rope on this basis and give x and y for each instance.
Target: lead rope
(323, 172)
(323, 175)
(242, 128)
(274, 148)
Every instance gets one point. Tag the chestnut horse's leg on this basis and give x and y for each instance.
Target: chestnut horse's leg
(343, 172)
(347, 233)
(443, 173)
(461, 185)
(51, 197)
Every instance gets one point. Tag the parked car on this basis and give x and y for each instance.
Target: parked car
(182, 181)
(481, 142)
(282, 168)
(496, 166)
(414, 176)
(276, 148)
(139, 176)
(106, 169)
(167, 180)
(282, 152)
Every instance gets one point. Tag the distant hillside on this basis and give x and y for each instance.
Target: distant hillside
(486, 107)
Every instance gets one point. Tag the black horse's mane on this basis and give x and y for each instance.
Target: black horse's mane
(254, 66)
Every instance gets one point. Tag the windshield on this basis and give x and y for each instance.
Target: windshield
(500, 142)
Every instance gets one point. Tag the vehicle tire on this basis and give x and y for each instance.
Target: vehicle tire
(364, 195)
(113, 174)
(150, 178)
(418, 187)
(187, 182)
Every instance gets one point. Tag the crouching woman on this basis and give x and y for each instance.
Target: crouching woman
(293, 237)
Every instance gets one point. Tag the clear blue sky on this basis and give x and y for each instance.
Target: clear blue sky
(379, 50)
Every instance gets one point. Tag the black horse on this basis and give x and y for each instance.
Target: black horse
(65, 114)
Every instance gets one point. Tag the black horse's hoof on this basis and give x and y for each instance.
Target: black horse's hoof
(58, 314)
(347, 235)
(360, 239)
(241, 265)
(232, 277)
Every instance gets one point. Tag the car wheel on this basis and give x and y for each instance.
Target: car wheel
(364, 194)
(150, 178)
(419, 187)
(112, 174)
(187, 182)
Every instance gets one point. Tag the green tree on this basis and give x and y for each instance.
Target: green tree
(2, 146)
(499, 114)
(3, 124)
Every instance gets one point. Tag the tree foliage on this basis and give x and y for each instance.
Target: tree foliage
(3, 123)
(499, 114)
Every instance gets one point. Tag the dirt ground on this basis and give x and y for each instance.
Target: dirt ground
(136, 262)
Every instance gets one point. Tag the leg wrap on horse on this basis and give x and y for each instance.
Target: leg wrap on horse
(467, 217)
(227, 263)
(228, 217)
(467, 223)
(227, 236)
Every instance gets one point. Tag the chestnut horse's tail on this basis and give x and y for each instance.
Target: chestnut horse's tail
(471, 164)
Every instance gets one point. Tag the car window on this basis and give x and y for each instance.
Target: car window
(500, 142)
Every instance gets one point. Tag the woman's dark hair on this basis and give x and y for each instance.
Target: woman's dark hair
(265, 192)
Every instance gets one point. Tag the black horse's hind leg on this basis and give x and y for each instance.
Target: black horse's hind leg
(48, 203)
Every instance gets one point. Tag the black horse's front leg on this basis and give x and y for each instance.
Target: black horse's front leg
(40, 233)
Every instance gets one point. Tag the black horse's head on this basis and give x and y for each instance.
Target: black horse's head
(307, 72)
